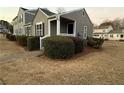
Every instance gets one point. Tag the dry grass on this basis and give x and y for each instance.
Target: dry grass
(105, 66)
(8, 48)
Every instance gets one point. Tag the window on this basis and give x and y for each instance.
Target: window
(21, 17)
(83, 13)
(39, 29)
(85, 32)
(122, 36)
(111, 35)
(27, 30)
(117, 35)
(70, 28)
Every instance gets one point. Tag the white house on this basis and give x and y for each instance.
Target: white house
(116, 35)
(102, 32)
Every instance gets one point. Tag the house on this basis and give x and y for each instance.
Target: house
(24, 17)
(116, 34)
(73, 23)
(44, 23)
(102, 31)
(3, 29)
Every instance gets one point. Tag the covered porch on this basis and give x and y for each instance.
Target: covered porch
(61, 26)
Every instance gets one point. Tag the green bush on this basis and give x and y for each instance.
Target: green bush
(22, 40)
(79, 44)
(95, 42)
(59, 47)
(33, 43)
(11, 37)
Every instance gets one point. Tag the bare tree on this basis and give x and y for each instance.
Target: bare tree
(60, 10)
(116, 23)
(122, 22)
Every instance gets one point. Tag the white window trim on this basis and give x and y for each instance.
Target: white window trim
(39, 23)
(67, 28)
(74, 30)
(49, 31)
(30, 29)
(85, 32)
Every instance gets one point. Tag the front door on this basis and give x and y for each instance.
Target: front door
(70, 28)
(85, 32)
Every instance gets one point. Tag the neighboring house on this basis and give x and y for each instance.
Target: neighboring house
(116, 34)
(23, 18)
(102, 32)
(3, 29)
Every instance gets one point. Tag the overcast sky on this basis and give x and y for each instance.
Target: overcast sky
(97, 15)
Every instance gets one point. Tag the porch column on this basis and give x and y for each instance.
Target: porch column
(75, 29)
(58, 25)
(48, 27)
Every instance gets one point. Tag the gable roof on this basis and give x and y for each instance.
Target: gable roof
(14, 18)
(117, 31)
(52, 16)
(104, 27)
(32, 11)
(23, 8)
(46, 11)
(66, 12)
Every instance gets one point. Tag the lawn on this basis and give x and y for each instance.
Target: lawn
(104, 66)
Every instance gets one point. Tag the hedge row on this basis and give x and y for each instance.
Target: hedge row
(58, 47)
(22, 40)
(11, 37)
(33, 43)
(62, 47)
(95, 42)
(79, 44)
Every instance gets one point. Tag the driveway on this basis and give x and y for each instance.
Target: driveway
(104, 66)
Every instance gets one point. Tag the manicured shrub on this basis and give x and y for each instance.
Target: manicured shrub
(11, 37)
(95, 42)
(22, 40)
(59, 47)
(79, 44)
(33, 43)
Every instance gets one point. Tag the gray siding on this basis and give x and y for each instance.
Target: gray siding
(40, 17)
(81, 21)
(53, 27)
(63, 27)
(20, 28)
(28, 18)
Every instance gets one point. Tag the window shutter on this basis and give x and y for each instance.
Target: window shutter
(43, 30)
(40, 27)
(35, 29)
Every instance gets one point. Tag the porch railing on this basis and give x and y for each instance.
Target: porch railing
(41, 38)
